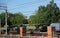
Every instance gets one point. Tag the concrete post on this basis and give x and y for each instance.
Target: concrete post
(50, 31)
(22, 31)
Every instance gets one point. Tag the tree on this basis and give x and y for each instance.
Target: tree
(17, 19)
(12, 19)
(32, 19)
(2, 16)
(46, 14)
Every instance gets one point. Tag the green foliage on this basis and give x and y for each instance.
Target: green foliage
(12, 19)
(32, 20)
(46, 14)
(2, 17)
(19, 18)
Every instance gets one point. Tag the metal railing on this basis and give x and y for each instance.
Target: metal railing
(9, 36)
(18, 36)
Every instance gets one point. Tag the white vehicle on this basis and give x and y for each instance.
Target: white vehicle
(56, 25)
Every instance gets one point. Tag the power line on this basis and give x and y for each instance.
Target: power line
(4, 8)
(30, 3)
(22, 8)
(26, 11)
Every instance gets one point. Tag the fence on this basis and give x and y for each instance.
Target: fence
(14, 36)
(9, 36)
(17, 36)
(50, 34)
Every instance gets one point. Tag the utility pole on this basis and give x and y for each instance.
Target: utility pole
(0, 25)
(5, 8)
(6, 20)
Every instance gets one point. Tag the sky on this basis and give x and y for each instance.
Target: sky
(26, 7)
